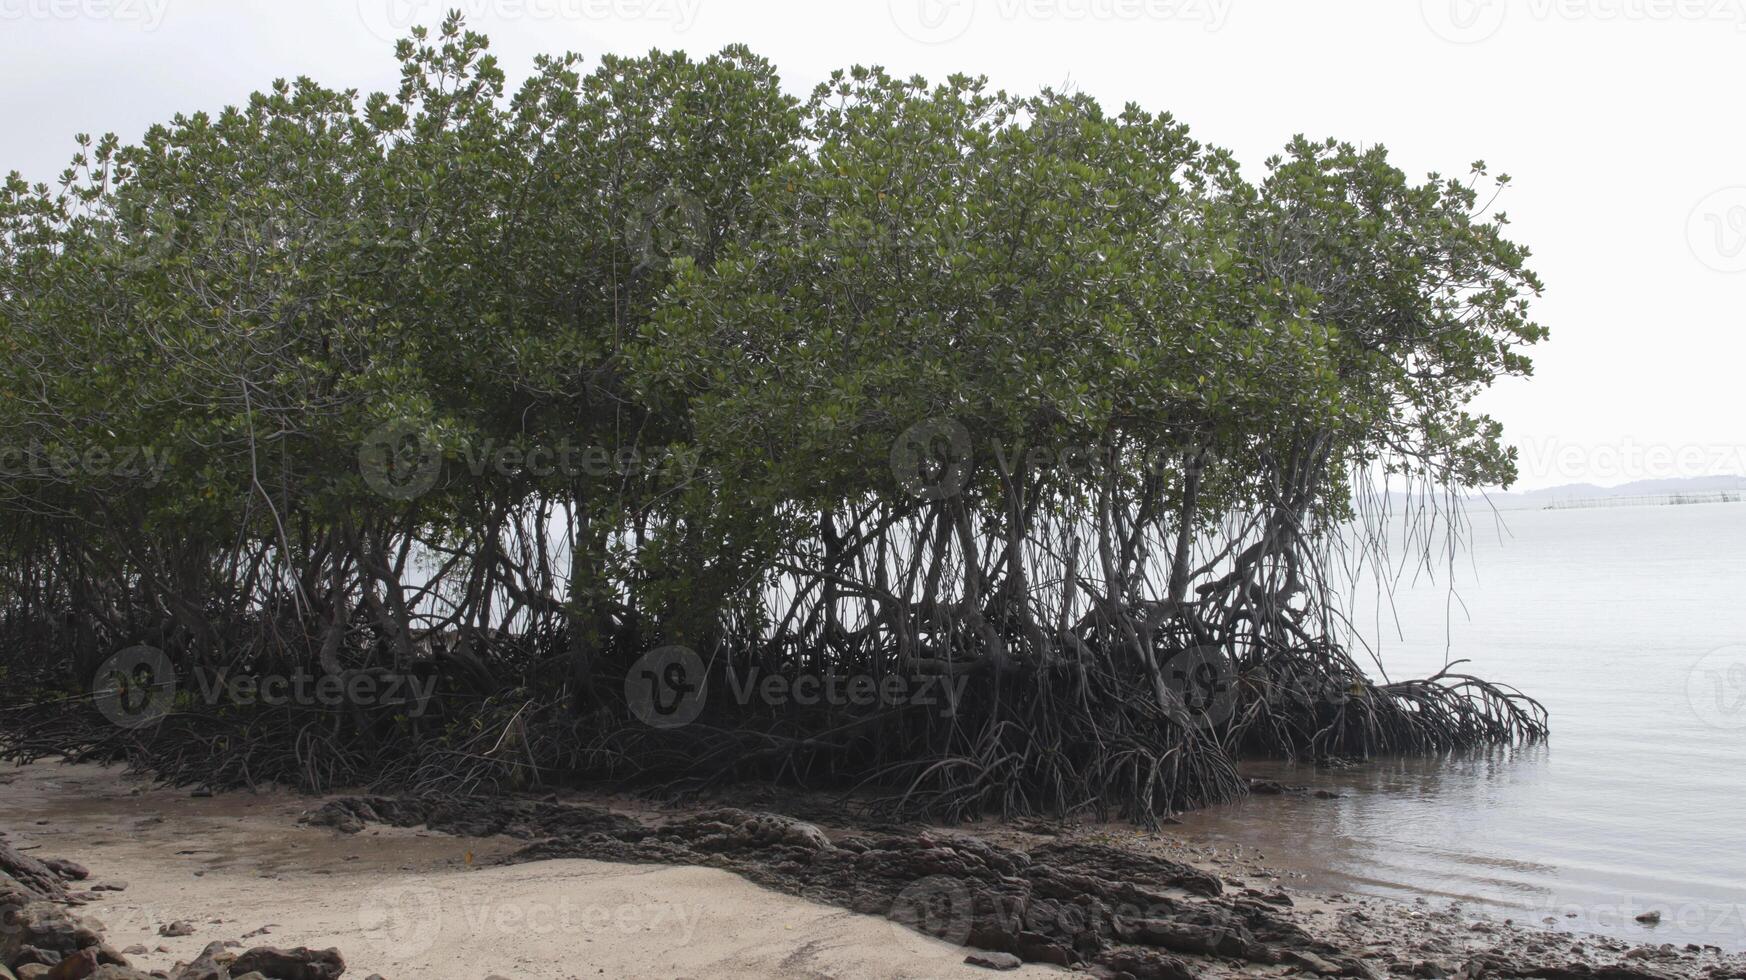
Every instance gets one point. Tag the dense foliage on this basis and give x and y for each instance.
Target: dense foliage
(508, 389)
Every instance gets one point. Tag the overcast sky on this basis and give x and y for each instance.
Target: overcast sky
(1613, 116)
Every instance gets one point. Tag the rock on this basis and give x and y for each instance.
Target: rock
(109, 886)
(45, 926)
(78, 966)
(251, 976)
(180, 927)
(67, 870)
(994, 961)
(32, 971)
(37, 878)
(121, 973)
(213, 963)
(1651, 918)
(1145, 964)
(31, 955)
(526, 819)
(301, 963)
(1313, 963)
(135, 950)
(1432, 970)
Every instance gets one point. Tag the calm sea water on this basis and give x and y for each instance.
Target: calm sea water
(1630, 625)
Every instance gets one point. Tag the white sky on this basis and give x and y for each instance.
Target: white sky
(1629, 156)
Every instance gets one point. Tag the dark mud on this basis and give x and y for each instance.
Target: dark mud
(1115, 912)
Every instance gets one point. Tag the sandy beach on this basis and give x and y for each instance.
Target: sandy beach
(405, 903)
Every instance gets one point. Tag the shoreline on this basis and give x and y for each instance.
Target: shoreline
(375, 893)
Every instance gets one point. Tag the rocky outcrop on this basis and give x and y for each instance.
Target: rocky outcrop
(290, 964)
(1068, 904)
(31, 873)
(526, 819)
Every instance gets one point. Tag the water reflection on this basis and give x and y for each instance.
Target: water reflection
(1635, 804)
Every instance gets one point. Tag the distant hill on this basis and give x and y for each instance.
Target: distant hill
(1693, 490)
(1703, 489)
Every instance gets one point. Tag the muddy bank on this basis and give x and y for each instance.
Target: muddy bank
(1068, 895)
(588, 885)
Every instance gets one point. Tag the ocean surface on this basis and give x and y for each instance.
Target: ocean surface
(1629, 624)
